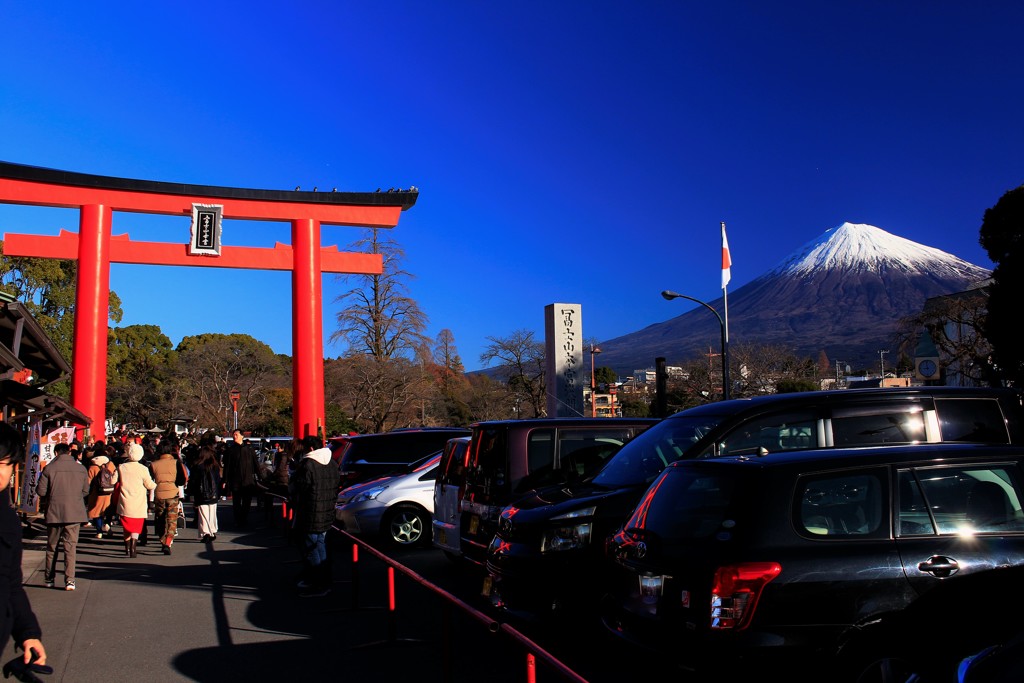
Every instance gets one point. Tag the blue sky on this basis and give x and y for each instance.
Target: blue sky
(568, 151)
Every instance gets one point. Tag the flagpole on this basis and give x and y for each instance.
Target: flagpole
(726, 276)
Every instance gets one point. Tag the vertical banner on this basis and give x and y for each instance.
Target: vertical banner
(29, 499)
(39, 452)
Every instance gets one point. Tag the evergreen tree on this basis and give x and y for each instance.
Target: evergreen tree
(1002, 236)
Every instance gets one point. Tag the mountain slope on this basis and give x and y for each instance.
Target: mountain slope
(843, 293)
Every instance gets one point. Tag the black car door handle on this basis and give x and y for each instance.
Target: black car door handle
(938, 565)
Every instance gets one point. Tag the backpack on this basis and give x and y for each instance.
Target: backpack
(107, 481)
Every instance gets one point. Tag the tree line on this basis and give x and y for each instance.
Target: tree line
(392, 375)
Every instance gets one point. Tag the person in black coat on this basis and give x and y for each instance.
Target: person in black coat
(16, 615)
(313, 494)
(204, 488)
(240, 465)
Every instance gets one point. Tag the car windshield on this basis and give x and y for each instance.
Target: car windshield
(640, 460)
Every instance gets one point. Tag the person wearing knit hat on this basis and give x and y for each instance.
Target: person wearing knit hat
(133, 503)
(100, 489)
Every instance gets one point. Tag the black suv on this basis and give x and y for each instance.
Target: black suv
(539, 559)
(834, 564)
(366, 456)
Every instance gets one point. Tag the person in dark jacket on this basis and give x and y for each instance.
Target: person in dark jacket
(204, 488)
(16, 615)
(313, 494)
(64, 484)
(240, 476)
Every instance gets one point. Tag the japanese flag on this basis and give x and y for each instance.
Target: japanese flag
(726, 259)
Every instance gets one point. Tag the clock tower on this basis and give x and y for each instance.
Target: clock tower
(926, 359)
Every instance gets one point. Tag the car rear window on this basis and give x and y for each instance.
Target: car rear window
(885, 423)
(685, 505)
(971, 420)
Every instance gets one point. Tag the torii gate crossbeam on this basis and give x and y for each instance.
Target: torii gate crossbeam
(95, 248)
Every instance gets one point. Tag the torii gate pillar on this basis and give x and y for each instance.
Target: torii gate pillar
(307, 327)
(95, 248)
(92, 307)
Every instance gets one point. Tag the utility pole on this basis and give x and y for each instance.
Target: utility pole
(881, 361)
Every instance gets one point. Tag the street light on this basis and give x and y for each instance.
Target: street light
(593, 383)
(235, 395)
(669, 295)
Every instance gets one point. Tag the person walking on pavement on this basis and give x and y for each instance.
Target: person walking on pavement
(240, 476)
(102, 481)
(169, 476)
(16, 615)
(313, 494)
(204, 488)
(133, 501)
(147, 461)
(63, 484)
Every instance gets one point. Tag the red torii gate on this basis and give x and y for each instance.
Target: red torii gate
(95, 248)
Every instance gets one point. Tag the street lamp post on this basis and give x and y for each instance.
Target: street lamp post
(669, 295)
(235, 395)
(593, 382)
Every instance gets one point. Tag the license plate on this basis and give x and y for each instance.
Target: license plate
(486, 588)
(474, 525)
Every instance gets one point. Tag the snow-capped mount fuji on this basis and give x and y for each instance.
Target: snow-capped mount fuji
(858, 248)
(843, 293)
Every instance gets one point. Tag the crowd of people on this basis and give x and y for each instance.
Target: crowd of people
(101, 484)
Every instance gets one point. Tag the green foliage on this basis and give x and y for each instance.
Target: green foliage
(792, 385)
(47, 288)
(1002, 236)
(606, 376)
(141, 364)
(633, 406)
(337, 422)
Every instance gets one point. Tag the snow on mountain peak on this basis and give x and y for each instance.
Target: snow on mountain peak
(859, 247)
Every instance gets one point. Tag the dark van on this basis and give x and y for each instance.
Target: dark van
(509, 458)
(545, 543)
(366, 456)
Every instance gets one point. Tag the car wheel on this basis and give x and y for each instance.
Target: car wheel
(407, 526)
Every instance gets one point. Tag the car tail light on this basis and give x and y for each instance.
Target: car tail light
(735, 592)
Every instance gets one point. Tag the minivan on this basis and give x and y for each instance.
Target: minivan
(545, 541)
(508, 458)
(448, 487)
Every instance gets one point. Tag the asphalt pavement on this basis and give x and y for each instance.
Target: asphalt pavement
(229, 610)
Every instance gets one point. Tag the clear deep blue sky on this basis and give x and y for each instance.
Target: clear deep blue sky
(568, 151)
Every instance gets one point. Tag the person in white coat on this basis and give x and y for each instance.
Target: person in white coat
(133, 504)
